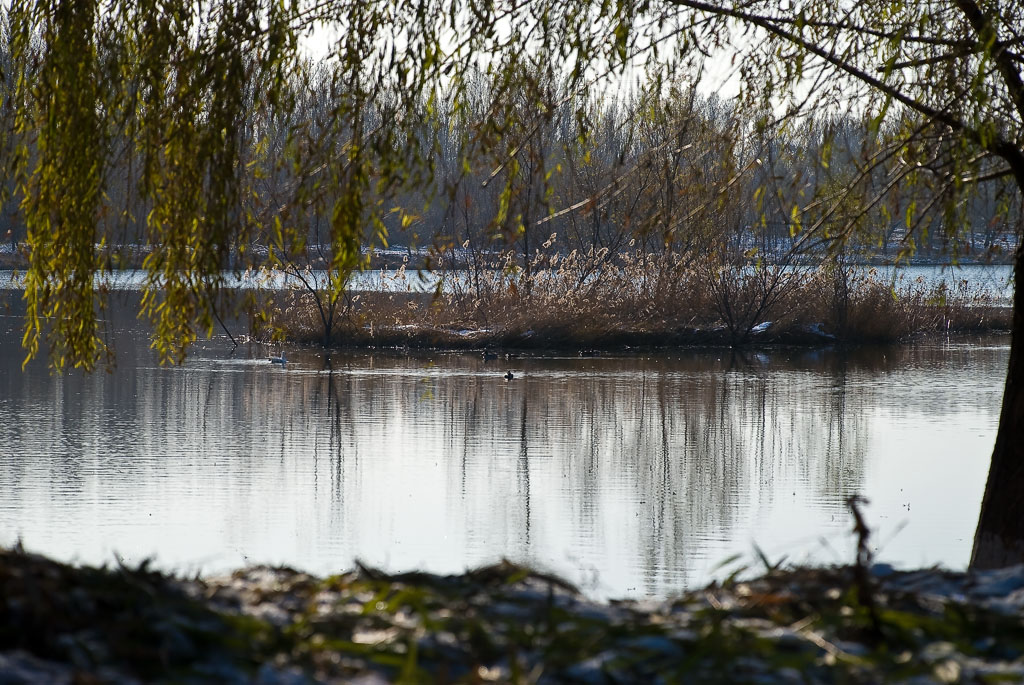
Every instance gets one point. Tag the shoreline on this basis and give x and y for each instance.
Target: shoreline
(502, 623)
(626, 343)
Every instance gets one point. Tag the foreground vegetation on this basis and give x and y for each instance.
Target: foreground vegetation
(502, 623)
(596, 301)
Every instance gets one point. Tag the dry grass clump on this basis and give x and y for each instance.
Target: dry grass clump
(580, 298)
(858, 305)
(595, 299)
(968, 308)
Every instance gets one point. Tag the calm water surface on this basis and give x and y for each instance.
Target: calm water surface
(630, 475)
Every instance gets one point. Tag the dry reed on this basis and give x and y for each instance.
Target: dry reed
(598, 300)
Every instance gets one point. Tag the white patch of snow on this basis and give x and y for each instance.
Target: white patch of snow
(817, 329)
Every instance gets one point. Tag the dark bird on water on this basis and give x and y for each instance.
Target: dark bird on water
(509, 376)
(488, 355)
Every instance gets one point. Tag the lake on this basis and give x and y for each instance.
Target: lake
(629, 475)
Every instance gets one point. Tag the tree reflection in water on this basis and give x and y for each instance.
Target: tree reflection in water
(642, 471)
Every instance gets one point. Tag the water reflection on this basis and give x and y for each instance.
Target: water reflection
(634, 475)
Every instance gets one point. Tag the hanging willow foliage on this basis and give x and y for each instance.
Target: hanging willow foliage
(61, 183)
(196, 78)
(204, 101)
(177, 80)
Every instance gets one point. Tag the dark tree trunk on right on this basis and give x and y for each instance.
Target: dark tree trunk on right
(999, 540)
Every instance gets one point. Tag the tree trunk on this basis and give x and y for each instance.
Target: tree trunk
(999, 540)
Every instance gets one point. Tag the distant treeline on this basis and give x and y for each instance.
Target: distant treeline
(523, 163)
